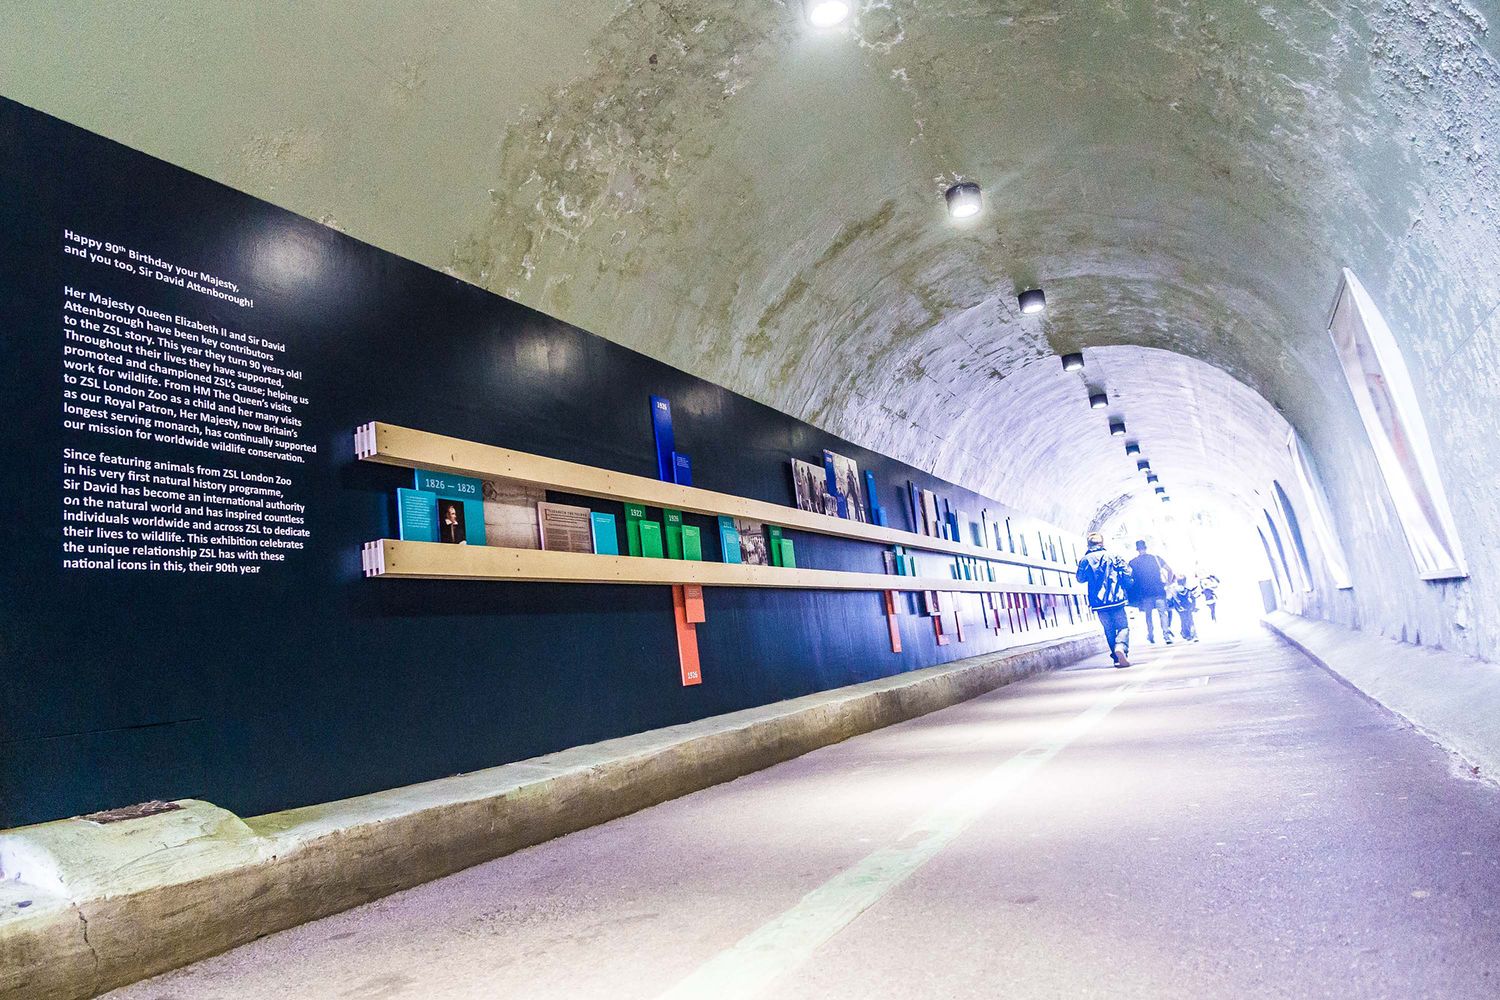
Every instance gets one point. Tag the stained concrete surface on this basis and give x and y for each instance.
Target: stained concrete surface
(1240, 824)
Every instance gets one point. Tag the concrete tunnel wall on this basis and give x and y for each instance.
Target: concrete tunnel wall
(714, 184)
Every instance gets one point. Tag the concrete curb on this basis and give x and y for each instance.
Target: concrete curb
(1452, 699)
(110, 905)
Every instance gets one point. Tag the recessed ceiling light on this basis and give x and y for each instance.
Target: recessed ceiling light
(964, 200)
(1098, 401)
(1072, 362)
(1162, 490)
(1143, 465)
(1133, 448)
(1165, 498)
(1117, 428)
(1033, 300)
(826, 13)
(1152, 477)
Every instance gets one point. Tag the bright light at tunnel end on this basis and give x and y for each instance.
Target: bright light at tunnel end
(826, 13)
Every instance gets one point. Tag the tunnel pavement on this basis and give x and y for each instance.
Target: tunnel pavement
(1223, 819)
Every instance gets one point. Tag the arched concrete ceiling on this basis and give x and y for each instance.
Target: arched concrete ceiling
(716, 185)
(1211, 439)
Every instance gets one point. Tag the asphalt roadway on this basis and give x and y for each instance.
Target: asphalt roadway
(1220, 820)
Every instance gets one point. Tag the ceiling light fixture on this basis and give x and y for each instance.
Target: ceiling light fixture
(1098, 401)
(1133, 448)
(1117, 428)
(1162, 490)
(826, 13)
(1031, 301)
(1152, 477)
(964, 200)
(1143, 465)
(1072, 362)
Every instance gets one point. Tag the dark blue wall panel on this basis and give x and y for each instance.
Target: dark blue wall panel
(308, 682)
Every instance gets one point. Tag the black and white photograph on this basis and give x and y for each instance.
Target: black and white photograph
(810, 482)
(753, 548)
(845, 474)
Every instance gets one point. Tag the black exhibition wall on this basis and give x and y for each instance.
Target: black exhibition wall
(169, 342)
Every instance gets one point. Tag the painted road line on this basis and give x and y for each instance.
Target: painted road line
(746, 968)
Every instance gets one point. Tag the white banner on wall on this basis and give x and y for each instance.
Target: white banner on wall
(1318, 516)
(1387, 403)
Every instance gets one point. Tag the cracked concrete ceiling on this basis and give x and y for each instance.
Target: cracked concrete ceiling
(717, 185)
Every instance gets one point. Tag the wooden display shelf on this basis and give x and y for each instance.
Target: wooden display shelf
(389, 444)
(390, 559)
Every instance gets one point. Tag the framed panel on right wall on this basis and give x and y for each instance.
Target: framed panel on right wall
(1387, 404)
(1320, 516)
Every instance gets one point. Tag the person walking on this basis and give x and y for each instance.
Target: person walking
(1211, 596)
(1182, 597)
(1107, 577)
(1151, 573)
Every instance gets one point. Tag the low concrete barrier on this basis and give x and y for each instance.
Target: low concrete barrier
(1451, 698)
(85, 908)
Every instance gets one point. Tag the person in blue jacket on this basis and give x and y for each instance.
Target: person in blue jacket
(1107, 577)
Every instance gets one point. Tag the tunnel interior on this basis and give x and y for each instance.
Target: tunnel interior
(760, 203)
(1220, 278)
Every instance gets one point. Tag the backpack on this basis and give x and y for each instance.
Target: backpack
(1108, 578)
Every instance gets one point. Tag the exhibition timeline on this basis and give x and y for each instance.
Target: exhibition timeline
(140, 371)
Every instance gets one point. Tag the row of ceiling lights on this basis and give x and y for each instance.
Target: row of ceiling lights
(1099, 401)
(965, 200)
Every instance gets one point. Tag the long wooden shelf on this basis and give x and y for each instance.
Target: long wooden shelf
(390, 444)
(391, 559)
